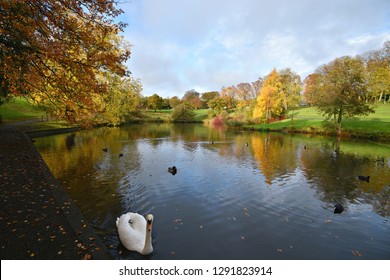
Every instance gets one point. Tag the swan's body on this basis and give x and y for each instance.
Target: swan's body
(135, 232)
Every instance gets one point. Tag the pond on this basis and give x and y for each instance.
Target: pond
(236, 194)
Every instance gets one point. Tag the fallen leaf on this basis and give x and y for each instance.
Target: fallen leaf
(357, 253)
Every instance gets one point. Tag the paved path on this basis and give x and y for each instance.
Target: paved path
(38, 220)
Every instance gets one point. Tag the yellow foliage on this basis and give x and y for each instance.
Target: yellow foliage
(270, 101)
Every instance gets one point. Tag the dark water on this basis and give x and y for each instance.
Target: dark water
(236, 195)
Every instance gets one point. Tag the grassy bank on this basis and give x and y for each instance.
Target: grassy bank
(19, 109)
(309, 120)
(165, 115)
(306, 120)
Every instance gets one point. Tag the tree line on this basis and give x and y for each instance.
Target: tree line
(345, 87)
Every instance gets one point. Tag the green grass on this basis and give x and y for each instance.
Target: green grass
(309, 120)
(165, 115)
(158, 115)
(19, 109)
(201, 114)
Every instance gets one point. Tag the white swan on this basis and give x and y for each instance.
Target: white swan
(135, 232)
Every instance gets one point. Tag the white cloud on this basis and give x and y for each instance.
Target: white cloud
(207, 44)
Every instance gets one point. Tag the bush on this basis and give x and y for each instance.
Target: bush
(181, 113)
(217, 121)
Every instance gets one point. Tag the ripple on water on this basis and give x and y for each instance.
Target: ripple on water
(227, 200)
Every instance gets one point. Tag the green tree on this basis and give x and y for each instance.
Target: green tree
(217, 105)
(165, 104)
(269, 103)
(342, 90)
(155, 102)
(124, 98)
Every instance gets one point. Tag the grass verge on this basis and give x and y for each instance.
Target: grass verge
(309, 120)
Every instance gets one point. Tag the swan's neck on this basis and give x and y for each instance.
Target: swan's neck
(148, 248)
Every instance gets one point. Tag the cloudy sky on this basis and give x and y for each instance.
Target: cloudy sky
(178, 45)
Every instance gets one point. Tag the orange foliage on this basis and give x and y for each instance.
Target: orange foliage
(55, 52)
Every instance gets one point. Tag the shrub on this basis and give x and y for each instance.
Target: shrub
(217, 121)
(182, 113)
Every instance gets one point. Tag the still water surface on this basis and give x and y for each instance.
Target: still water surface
(236, 195)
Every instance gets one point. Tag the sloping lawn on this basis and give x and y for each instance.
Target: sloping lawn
(308, 119)
(19, 109)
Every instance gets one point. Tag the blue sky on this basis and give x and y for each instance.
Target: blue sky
(178, 45)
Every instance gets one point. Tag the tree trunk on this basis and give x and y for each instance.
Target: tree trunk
(339, 120)
(292, 117)
(380, 98)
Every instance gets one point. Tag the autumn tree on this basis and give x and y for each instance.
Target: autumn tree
(165, 104)
(217, 105)
(123, 99)
(269, 103)
(229, 94)
(143, 103)
(174, 101)
(57, 50)
(311, 88)
(191, 97)
(256, 87)
(155, 102)
(208, 96)
(378, 81)
(291, 88)
(244, 94)
(342, 90)
(378, 69)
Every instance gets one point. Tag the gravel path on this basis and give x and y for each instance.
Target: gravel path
(38, 220)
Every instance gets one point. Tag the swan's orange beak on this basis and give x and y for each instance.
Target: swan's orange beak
(149, 225)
